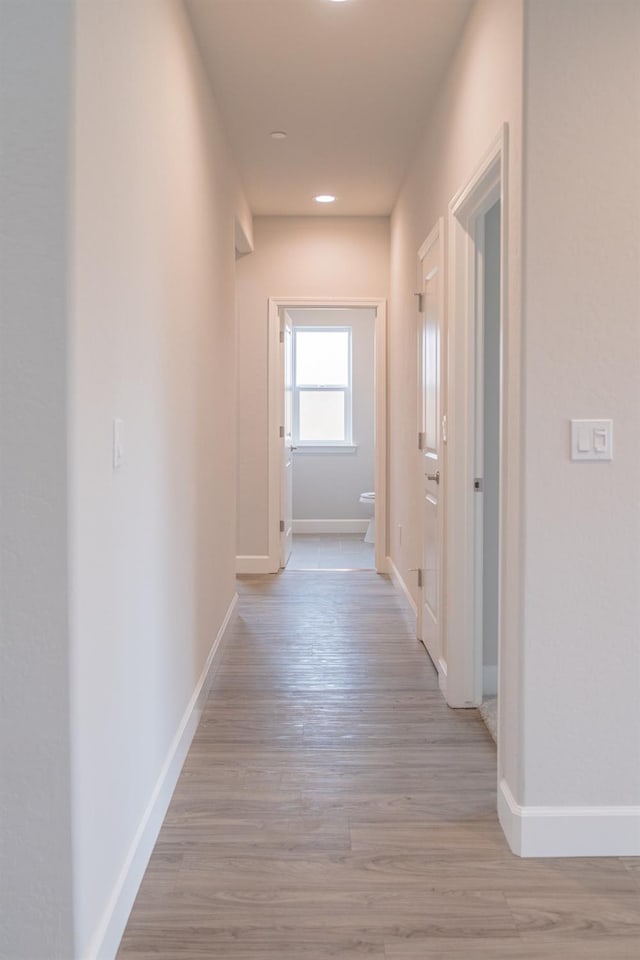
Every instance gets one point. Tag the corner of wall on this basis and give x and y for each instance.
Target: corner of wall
(243, 225)
(568, 831)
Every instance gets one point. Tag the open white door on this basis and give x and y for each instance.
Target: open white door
(430, 460)
(286, 506)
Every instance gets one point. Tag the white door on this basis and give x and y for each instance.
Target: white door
(430, 440)
(286, 506)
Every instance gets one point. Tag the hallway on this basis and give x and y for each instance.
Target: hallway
(332, 806)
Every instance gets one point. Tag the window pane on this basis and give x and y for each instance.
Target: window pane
(322, 416)
(322, 357)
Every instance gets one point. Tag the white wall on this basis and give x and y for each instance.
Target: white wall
(571, 566)
(327, 486)
(582, 355)
(153, 343)
(35, 818)
(117, 287)
(319, 257)
(481, 91)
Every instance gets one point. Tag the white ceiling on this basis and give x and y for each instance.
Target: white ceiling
(351, 83)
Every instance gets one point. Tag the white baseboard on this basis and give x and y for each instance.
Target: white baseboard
(490, 680)
(257, 564)
(568, 831)
(330, 526)
(401, 586)
(106, 940)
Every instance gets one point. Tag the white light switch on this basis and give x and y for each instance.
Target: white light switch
(592, 439)
(584, 440)
(118, 449)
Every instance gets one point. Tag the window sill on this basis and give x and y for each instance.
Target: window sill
(305, 448)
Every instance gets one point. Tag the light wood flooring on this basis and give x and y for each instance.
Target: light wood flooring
(332, 806)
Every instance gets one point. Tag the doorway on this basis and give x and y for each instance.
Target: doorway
(488, 455)
(474, 500)
(329, 445)
(327, 434)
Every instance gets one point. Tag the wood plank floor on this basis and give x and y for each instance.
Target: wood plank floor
(332, 806)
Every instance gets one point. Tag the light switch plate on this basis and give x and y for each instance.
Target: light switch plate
(592, 439)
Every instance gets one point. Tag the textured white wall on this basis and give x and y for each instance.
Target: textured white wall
(327, 486)
(582, 355)
(153, 545)
(319, 257)
(35, 842)
(481, 91)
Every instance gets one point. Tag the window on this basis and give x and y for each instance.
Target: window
(322, 386)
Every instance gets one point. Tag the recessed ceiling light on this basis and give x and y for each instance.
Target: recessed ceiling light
(324, 198)
(278, 135)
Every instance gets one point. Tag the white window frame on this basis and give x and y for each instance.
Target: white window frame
(320, 446)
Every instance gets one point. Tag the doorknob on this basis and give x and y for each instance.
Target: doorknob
(434, 476)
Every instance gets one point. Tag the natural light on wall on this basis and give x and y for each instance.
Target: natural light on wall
(322, 385)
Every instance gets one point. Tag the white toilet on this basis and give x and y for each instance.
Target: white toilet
(370, 500)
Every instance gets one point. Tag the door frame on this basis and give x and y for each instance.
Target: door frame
(436, 235)
(276, 390)
(286, 494)
(463, 551)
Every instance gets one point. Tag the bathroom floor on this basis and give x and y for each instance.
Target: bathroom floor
(327, 551)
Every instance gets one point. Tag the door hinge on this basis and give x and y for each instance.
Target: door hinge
(477, 484)
(420, 578)
(282, 336)
(282, 526)
(420, 297)
(421, 439)
(282, 433)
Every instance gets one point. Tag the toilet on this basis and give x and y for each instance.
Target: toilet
(369, 499)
